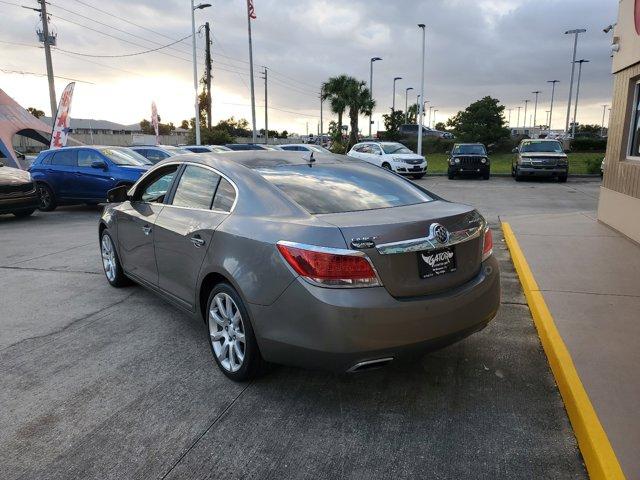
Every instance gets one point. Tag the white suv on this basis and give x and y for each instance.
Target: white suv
(391, 155)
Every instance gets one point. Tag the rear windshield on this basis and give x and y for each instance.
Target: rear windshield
(124, 156)
(335, 188)
(395, 148)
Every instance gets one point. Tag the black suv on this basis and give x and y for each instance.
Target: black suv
(469, 159)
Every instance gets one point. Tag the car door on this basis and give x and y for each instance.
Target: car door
(93, 183)
(62, 172)
(375, 154)
(136, 224)
(185, 228)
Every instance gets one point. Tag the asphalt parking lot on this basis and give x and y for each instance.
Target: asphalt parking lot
(103, 383)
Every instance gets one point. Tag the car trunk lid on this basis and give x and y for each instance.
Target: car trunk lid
(393, 238)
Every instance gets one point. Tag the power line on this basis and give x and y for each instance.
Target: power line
(124, 54)
(115, 28)
(22, 72)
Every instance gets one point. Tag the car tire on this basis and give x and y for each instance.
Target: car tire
(419, 176)
(386, 165)
(111, 262)
(227, 321)
(486, 176)
(562, 178)
(517, 175)
(47, 198)
(23, 213)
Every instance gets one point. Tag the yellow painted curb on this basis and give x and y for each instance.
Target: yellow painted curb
(599, 457)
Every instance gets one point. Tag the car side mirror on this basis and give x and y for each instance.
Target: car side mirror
(118, 194)
(515, 150)
(100, 164)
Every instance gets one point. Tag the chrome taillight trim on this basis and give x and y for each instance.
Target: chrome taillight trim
(426, 243)
(332, 251)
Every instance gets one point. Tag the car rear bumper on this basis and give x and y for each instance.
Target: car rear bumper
(335, 329)
(542, 171)
(28, 201)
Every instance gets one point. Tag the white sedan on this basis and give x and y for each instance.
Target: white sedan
(391, 155)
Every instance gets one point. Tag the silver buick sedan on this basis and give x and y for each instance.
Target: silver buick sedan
(315, 260)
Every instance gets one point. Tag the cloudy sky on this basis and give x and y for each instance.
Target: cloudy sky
(502, 48)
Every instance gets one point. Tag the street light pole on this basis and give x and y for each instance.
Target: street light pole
(525, 113)
(421, 103)
(553, 91)
(200, 6)
(430, 110)
(393, 102)
(575, 34)
(575, 107)
(518, 122)
(406, 103)
(373, 59)
(434, 117)
(535, 107)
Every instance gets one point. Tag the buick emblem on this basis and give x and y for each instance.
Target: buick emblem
(438, 233)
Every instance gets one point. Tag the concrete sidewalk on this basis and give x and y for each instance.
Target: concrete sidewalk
(590, 278)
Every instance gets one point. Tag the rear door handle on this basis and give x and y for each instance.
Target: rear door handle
(146, 229)
(197, 241)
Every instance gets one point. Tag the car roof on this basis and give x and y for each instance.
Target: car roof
(77, 147)
(468, 143)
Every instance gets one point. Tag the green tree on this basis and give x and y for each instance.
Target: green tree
(440, 126)
(412, 113)
(145, 126)
(185, 124)
(35, 112)
(392, 124)
(335, 90)
(284, 134)
(482, 121)
(359, 102)
(589, 130)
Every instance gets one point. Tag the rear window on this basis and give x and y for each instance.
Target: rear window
(335, 188)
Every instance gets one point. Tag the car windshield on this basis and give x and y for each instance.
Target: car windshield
(337, 188)
(124, 156)
(469, 150)
(539, 146)
(395, 148)
(175, 150)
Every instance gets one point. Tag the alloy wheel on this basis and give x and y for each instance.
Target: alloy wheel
(108, 257)
(45, 197)
(226, 332)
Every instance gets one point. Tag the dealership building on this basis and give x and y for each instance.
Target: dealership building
(619, 205)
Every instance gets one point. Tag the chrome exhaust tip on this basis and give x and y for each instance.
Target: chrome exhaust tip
(370, 364)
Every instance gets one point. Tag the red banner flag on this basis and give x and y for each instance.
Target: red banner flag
(61, 123)
(251, 10)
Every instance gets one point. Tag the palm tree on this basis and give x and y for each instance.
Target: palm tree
(359, 102)
(334, 90)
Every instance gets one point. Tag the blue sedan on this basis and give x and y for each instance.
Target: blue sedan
(84, 174)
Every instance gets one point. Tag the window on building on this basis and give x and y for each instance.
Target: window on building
(634, 133)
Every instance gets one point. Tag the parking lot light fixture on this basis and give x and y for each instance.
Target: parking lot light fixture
(373, 59)
(575, 34)
(575, 107)
(525, 113)
(406, 104)
(421, 104)
(553, 91)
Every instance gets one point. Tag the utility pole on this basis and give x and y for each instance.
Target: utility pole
(406, 104)
(575, 107)
(208, 71)
(518, 122)
(321, 126)
(604, 111)
(509, 110)
(373, 59)
(251, 15)
(422, 27)
(575, 33)
(266, 109)
(553, 91)
(47, 57)
(535, 107)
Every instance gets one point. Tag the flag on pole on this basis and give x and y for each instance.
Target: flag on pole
(154, 120)
(60, 130)
(251, 10)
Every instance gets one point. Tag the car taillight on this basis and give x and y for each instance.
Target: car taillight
(487, 244)
(329, 267)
